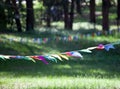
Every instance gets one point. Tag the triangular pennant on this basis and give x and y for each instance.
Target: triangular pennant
(57, 56)
(39, 58)
(7, 57)
(109, 46)
(76, 54)
(23, 57)
(63, 56)
(42, 58)
(2, 57)
(68, 53)
(85, 50)
(100, 46)
(29, 58)
(51, 58)
(91, 48)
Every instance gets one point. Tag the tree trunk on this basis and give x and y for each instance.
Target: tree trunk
(30, 15)
(105, 13)
(92, 11)
(20, 3)
(17, 16)
(118, 13)
(66, 15)
(118, 9)
(9, 15)
(48, 17)
(71, 15)
(78, 6)
(2, 17)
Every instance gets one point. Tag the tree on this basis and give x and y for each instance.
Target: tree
(118, 9)
(20, 3)
(92, 11)
(66, 14)
(71, 15)
(2, 16)
(105, 13)
(30, 15)
(48, 16)
(78, 6)
(118, 12)
(17, 16)
(9, 14)
(48, 4)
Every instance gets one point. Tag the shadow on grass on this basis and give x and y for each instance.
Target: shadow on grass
(15, 48)
(104, 67)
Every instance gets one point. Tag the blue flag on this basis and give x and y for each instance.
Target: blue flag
(109, 46)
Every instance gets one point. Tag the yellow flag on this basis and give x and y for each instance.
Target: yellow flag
(64, 57)
(57, 56)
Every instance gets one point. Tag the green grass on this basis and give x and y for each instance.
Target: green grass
(91, 73)
(67, 83)
(99, 70)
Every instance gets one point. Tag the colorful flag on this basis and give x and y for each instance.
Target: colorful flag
(51, 58)
(100, 46)
(109, 46)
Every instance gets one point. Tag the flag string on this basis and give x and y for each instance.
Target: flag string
(40, 40)
(60, 56)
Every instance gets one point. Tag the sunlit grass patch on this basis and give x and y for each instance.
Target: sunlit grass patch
(61, 82)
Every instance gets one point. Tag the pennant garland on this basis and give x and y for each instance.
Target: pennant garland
(61, 56)
(57, 38)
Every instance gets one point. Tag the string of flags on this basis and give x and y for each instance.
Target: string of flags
(65, 38)
(61, 56)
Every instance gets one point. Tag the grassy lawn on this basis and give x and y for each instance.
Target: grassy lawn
(99, 70)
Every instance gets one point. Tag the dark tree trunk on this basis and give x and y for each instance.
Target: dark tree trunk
(20, 3)
(48, 17)
(9, 14)
(118, 9)
(118, 13)
(71, 15)
(92, 11)
(2, 17)
(30, 15)
(105, 14)
(17, 16)
(66, 14)
(78, 6)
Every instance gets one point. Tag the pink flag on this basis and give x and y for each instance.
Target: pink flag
(42, 59)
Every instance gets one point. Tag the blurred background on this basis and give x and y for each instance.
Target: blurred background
(24, 15)
(45, 27)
